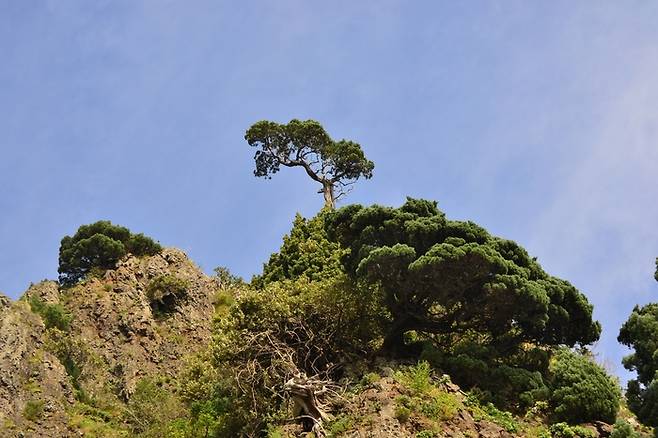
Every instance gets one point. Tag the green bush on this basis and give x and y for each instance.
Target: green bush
(624, 430)
(99, 246)
(153, 410)
(581, 390)
(513, 383)
(53, 315)
(487, 411)
(165, 292)
(287, 326)
(226, 278)
(563, 430)
(418, 378)
(73, 353)
(402, 413)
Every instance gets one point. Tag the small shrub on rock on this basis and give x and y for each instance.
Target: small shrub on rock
(165, 292)
(53, 315)
(33, 410)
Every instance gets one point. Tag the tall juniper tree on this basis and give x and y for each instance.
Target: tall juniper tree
(451, 279)
(336, 165)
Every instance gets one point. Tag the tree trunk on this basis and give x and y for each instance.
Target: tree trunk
(328, 192)
(394, 344)
(394, 339)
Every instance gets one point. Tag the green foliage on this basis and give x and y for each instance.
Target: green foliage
(425, 397)
(538, 431)
(74, 354)
(53, 315)
(165, 292)
(226, 278)
(340, 425)
(370, 379)
(402, 413)
(581, 390)
(152, 410)
(487, 411)
(33, 410)
(305, 252)
(305, 144)
(275, 432)
(640, 333)
(440, 406)
(563, 430)
(624, 430)
(515, 382)
(212, 397)
(93, 422)
(416, 378)
(450, 278)
(99, 246)
(267, 334)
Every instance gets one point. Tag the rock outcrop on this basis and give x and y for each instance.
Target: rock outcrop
(115, 338)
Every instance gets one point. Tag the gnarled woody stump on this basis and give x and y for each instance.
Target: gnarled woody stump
(305, 392)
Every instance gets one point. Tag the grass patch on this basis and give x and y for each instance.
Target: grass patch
(441, 406)
(491, 413)
(402, 413)
(416, 378)
(426, 398)
(370, 378)
(53, 315)
(33, 410)
(340, 426)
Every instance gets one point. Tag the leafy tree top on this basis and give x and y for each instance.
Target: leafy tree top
(305, 251)
(453, 278)
(99, 245)
(334, 164)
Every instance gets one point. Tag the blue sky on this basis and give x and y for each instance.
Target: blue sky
(538, 120)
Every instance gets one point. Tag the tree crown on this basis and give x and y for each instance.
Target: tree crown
(99, 245)
(334, 164)
(454, 278)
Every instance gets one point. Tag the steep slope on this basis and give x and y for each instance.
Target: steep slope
(34, 386)
(120, 331)
(411, 401)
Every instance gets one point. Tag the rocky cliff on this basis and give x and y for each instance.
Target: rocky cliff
(117, 335)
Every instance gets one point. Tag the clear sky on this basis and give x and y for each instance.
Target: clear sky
(538, 120)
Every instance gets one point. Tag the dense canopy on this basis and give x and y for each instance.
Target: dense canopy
(99, 245)
(453, 278)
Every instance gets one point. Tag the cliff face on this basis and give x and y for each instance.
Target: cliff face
(117, 335)
(31, 379)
